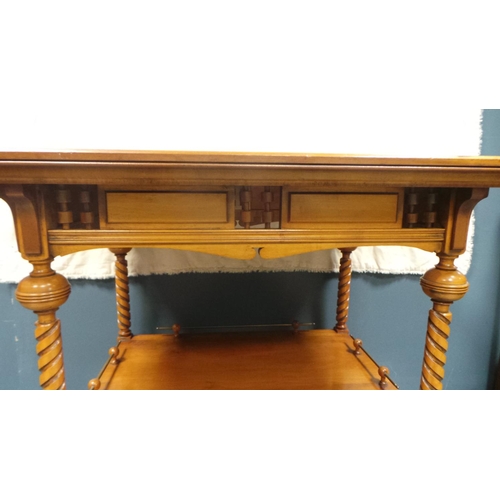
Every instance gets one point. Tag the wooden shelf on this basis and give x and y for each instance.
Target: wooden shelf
(309, 359)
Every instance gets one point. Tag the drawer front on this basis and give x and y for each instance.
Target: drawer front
(334, 209)
(167, 209)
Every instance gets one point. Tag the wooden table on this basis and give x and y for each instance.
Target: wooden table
(234, 204)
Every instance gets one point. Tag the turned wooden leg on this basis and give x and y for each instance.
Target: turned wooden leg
(122, 293)
(43, 292)
(344, 292)
(444, 285)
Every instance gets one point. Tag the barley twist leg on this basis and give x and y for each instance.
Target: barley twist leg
(49, 350)
(444, 285)
(436, 345)
(43, 292)
(344, 291)
(122, 293)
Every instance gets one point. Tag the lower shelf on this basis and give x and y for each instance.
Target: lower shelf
(309, 359)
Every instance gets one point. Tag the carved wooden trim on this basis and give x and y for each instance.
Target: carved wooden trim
(64, 212)
(421, 208)
(258, 206)
(267, 199)
(246, 207)
(241, 244)
(86, 213)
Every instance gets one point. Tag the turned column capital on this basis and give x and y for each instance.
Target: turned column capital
(43, 289)
(444, 283)
(120, 251)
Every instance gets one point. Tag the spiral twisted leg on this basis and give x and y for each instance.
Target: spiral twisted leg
(344, 291)
(444, 284)
(122, 293)
(436, 345)
(50, 352)
(43, 292)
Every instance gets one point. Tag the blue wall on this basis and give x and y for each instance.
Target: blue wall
(389, 313)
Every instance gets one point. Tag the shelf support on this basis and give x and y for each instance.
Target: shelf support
(344, 290)
(122, 293)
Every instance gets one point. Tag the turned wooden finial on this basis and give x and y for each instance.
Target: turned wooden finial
(114, 352)
(176, 329)
(94, 384)
(383, 371)
(358, 343)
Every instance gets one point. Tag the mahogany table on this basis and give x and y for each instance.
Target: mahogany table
(234, 205)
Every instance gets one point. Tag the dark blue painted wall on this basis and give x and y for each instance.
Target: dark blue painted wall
(388, 312)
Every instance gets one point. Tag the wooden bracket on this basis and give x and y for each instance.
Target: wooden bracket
(27, 209)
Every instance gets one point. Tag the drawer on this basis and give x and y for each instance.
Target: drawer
(167, 209)
(325, 209)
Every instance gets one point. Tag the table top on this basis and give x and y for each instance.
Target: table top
(132, 167)
(243, 157)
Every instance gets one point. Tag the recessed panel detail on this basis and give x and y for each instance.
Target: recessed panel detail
(169, 209)
(334, 209)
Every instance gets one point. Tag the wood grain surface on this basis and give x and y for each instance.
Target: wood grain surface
(314, 359)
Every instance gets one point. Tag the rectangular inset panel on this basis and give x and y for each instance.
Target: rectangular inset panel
(321, 209)
(168, 209)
